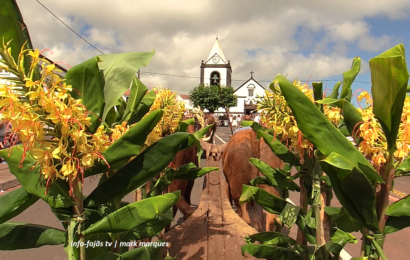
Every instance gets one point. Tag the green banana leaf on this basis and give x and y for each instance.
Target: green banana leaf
(398, 216)
(352, 118)
(394, 224)
(99, 249)
(354, 191)
(140, 253)
(348, 78)
(137, 93)
(87, 82)
(185, 172)
(15, 202)
(270, 252)
(318, 93)
(318, 130)
(148, 229)
(403, 169)
(279, 149)
(15, 236)
(127, 146)
(195, 173)
(338, 239)
(134, 214)
(269, 202)
(57, 195)
(271, 238)
(276, 205)
(13, 28)
(183, 125)
(120, 110)
(339, 218)
(109, 256)
(400, 208)
(110, 119)
(144, 167)
(144, 253)
(335, 91)
(275, 177)
(119, 71)
(389, 83)
(289, 215)
(143, 107)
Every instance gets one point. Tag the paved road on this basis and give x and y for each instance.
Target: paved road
(39, 213)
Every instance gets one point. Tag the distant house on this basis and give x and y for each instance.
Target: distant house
(247, 98)
(188, 103)
(126, 95)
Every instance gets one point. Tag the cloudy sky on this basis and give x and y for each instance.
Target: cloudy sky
(300, 39)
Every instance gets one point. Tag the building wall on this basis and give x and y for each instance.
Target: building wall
(242, 93)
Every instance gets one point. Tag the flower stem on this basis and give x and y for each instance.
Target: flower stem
(77, 196)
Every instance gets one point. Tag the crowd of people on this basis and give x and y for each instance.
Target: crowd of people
(234, 120)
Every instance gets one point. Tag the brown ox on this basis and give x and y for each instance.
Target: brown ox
(181, 158)
(237, 169)
(209, 136)
(185, 157)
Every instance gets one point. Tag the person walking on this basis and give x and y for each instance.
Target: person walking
(257, 118)
(238, 121)
(234, 123)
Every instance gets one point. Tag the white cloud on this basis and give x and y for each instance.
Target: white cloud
(182, 33)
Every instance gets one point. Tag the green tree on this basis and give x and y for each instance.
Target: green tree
(213, 97)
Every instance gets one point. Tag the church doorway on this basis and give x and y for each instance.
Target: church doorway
(249, 109)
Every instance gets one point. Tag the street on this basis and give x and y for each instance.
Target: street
(39, 213)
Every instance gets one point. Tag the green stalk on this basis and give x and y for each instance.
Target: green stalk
(387, 176)
(301, 239)
(79, 209)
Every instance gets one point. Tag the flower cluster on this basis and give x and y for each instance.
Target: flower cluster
(374, 144)
(276, 114)
(173, 113)
(51, 124)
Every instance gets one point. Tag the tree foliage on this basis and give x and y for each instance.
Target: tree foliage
(213, 97)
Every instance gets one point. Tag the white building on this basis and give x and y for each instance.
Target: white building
(185, 98)
(218, 71)
(247, 99)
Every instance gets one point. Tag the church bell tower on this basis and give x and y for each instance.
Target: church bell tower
(216, 70)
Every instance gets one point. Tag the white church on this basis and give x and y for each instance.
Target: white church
(217, 70)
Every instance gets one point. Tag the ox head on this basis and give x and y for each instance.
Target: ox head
(210, 134)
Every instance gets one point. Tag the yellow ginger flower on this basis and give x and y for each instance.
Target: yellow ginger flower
(373, 144)
(173, 113)
(41, 109)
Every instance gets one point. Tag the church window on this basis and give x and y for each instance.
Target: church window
(215, 78)
(251, 87)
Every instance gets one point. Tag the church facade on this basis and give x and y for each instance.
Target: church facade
(217, 70)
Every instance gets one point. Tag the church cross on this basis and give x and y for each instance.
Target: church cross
(252, 74)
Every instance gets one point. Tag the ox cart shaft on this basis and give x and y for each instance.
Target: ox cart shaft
(214, 231)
